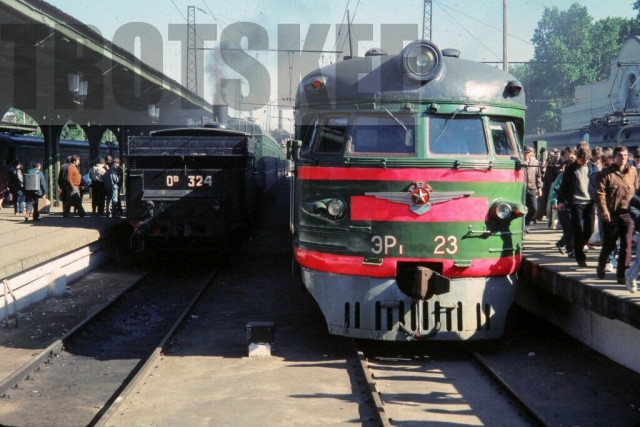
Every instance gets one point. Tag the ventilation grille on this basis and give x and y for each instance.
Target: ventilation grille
(451, 318)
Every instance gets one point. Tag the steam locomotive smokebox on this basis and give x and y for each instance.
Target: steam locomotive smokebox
(31, 182)
(260, 337)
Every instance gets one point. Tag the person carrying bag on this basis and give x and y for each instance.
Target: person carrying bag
(35, 189)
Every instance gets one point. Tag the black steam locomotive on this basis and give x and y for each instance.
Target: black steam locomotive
(199, 183)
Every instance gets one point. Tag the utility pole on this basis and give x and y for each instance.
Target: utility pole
(349, 32)
(505, 58)
(427, 20)
(192, 69)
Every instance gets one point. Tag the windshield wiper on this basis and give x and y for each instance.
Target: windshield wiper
(446, 123)
(407, 135)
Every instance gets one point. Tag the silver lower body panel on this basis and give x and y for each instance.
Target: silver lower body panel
(375, 308)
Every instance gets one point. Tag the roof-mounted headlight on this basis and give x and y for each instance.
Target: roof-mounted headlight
(421, 60)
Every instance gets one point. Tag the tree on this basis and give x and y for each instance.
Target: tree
(73, 132)
(562, 46)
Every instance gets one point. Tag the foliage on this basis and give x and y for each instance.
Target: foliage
(70, 131)
(571, 49)
(73, 132)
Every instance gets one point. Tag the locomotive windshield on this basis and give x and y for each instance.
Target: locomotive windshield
(394, 135)
(457, 136)
(387, 135)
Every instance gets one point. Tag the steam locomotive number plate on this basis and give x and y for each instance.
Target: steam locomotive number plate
(189, 181)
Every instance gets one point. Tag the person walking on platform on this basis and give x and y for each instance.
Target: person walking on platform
(553, 170)
(574, 195)
(533, 181)
(120, 173)
(4, 183)
(16, 186)
(75, 180)
(565, 244)
(63, 185)
(97, 172)
(111, 187)
(617, 184)
(636, 158)
(33, 196)
(631, 275)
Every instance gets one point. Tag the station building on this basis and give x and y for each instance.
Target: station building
(619, 92)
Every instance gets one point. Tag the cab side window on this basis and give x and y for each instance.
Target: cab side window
(332, 134)
(308, 134)
(501, 137)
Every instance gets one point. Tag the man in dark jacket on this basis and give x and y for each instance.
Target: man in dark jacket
(16, 186)
(574, 195)
(617, 184)
(533, 181)
(63, 185)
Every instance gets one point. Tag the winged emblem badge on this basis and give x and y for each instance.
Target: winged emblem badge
(420, 196)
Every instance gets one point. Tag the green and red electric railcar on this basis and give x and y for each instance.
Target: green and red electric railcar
(407, 202)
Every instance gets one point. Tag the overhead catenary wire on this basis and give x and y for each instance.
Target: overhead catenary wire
(344, 16)
(467, 31)
(481, 22)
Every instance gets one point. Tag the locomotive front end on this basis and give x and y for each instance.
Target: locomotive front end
(408, 195)
(190, 184)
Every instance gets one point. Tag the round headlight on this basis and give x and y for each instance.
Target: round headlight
(421, 60)
(502, 210)
(336, 208)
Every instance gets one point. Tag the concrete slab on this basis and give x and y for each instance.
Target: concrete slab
(598, 312)
(206, 377)
(39, 258)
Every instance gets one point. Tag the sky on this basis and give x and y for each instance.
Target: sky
(472, 26)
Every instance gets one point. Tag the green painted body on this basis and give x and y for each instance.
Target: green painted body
(478, 239)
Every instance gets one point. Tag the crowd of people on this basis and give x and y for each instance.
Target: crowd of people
(25, 189)
(592, 194)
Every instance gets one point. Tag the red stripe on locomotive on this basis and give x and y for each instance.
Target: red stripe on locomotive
(407, 174)
(368, 208)
(353, 265)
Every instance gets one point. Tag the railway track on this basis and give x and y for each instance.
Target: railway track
(533, 377)
(80, 378)
(413, 389)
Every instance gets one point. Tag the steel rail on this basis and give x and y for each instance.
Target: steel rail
(514, 394)
(141, 370)
(58, 345)
(382, 417)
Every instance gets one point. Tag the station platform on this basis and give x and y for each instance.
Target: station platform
(599, 312)
(39, 258)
